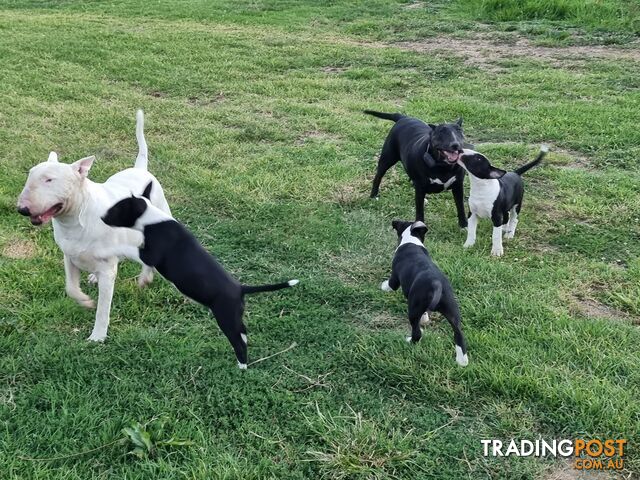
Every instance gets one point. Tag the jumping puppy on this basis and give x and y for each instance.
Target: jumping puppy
(63, 192)
(494, 194)
(429, 154)
(423, 284)
(179, 257)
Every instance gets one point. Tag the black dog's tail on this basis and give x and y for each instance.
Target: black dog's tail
(268, 288)
(387, 116)
(543, 151)
(436, 295)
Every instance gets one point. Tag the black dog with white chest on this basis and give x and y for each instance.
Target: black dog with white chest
(429, 154)
(181, 259)
(426, 288)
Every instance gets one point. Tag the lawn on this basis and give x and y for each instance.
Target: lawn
(255, 129)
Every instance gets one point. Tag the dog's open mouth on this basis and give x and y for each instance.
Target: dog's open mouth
(451, 157)
(47, 215)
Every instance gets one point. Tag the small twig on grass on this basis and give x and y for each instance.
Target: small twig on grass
(293, 345)
(319, 382)
(62, 457)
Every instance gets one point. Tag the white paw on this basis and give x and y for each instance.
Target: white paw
(424, 319)
(509, 234)
(145, 279)
(92, 278)
(461, 358)
(384, 286)
(408, 339)
(469, 243)
(497, 252)
(87, 303)
(242, 366)
(97, 337)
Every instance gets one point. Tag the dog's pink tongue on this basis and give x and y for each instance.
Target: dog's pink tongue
(452, 156)
(44, 217)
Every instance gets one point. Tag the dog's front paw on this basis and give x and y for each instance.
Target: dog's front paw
(87, 303)
(92, 278)
(497, 252)
(384, 286)
(97, 336)
(145, 279)
(469, 243)
(509, 234)
(424, 319)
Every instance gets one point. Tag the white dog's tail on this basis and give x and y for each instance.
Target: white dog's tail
(142, 160)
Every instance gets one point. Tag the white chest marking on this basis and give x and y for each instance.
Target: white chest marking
(408, 238)
(446, 184)
(483, 195)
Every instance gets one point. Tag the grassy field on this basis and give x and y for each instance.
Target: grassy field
(255, 130)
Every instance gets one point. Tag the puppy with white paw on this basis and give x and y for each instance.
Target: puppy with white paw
(179, 257)
(495, 194)
(426, 288)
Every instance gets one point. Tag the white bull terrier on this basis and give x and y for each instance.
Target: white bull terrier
(63, 192)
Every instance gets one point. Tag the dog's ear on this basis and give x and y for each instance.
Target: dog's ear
(496, 173)
(433, 127)
(83, 165)
(419, 229)
(459, 121)
(53, 157)
(394, 224)
(147, 191)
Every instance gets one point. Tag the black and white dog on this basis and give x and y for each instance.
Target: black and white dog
(494, 194)
(429, 154)
(174, 252)
(423, 284)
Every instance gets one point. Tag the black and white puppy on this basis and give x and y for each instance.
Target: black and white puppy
(494, 194)
(429, 154)
(426, 288)
(174, 252)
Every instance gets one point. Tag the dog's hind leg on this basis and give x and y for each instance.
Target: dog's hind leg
(72, 284)
(106, 281)
(388, 158)
(229, 318)
(513, 222)
(449, 308)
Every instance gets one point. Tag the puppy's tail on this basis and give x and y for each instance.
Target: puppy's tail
(268, 288)
(543, 151)
(386, 116)
(142, 160)
(437, 295)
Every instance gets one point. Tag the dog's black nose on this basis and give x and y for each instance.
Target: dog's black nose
(455, 147)
(24, 211)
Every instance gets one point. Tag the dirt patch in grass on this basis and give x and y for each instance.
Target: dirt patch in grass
(566, 471)
(594, 309)
(334, 70)
(312, 135)
(19, 249)
(483, 51)
(204, 100)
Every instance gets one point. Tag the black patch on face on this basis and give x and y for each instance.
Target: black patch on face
(125, 212)
(478, 165)
(447, 137)
(418, 229)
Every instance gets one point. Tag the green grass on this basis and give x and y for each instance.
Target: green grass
(255, 129)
